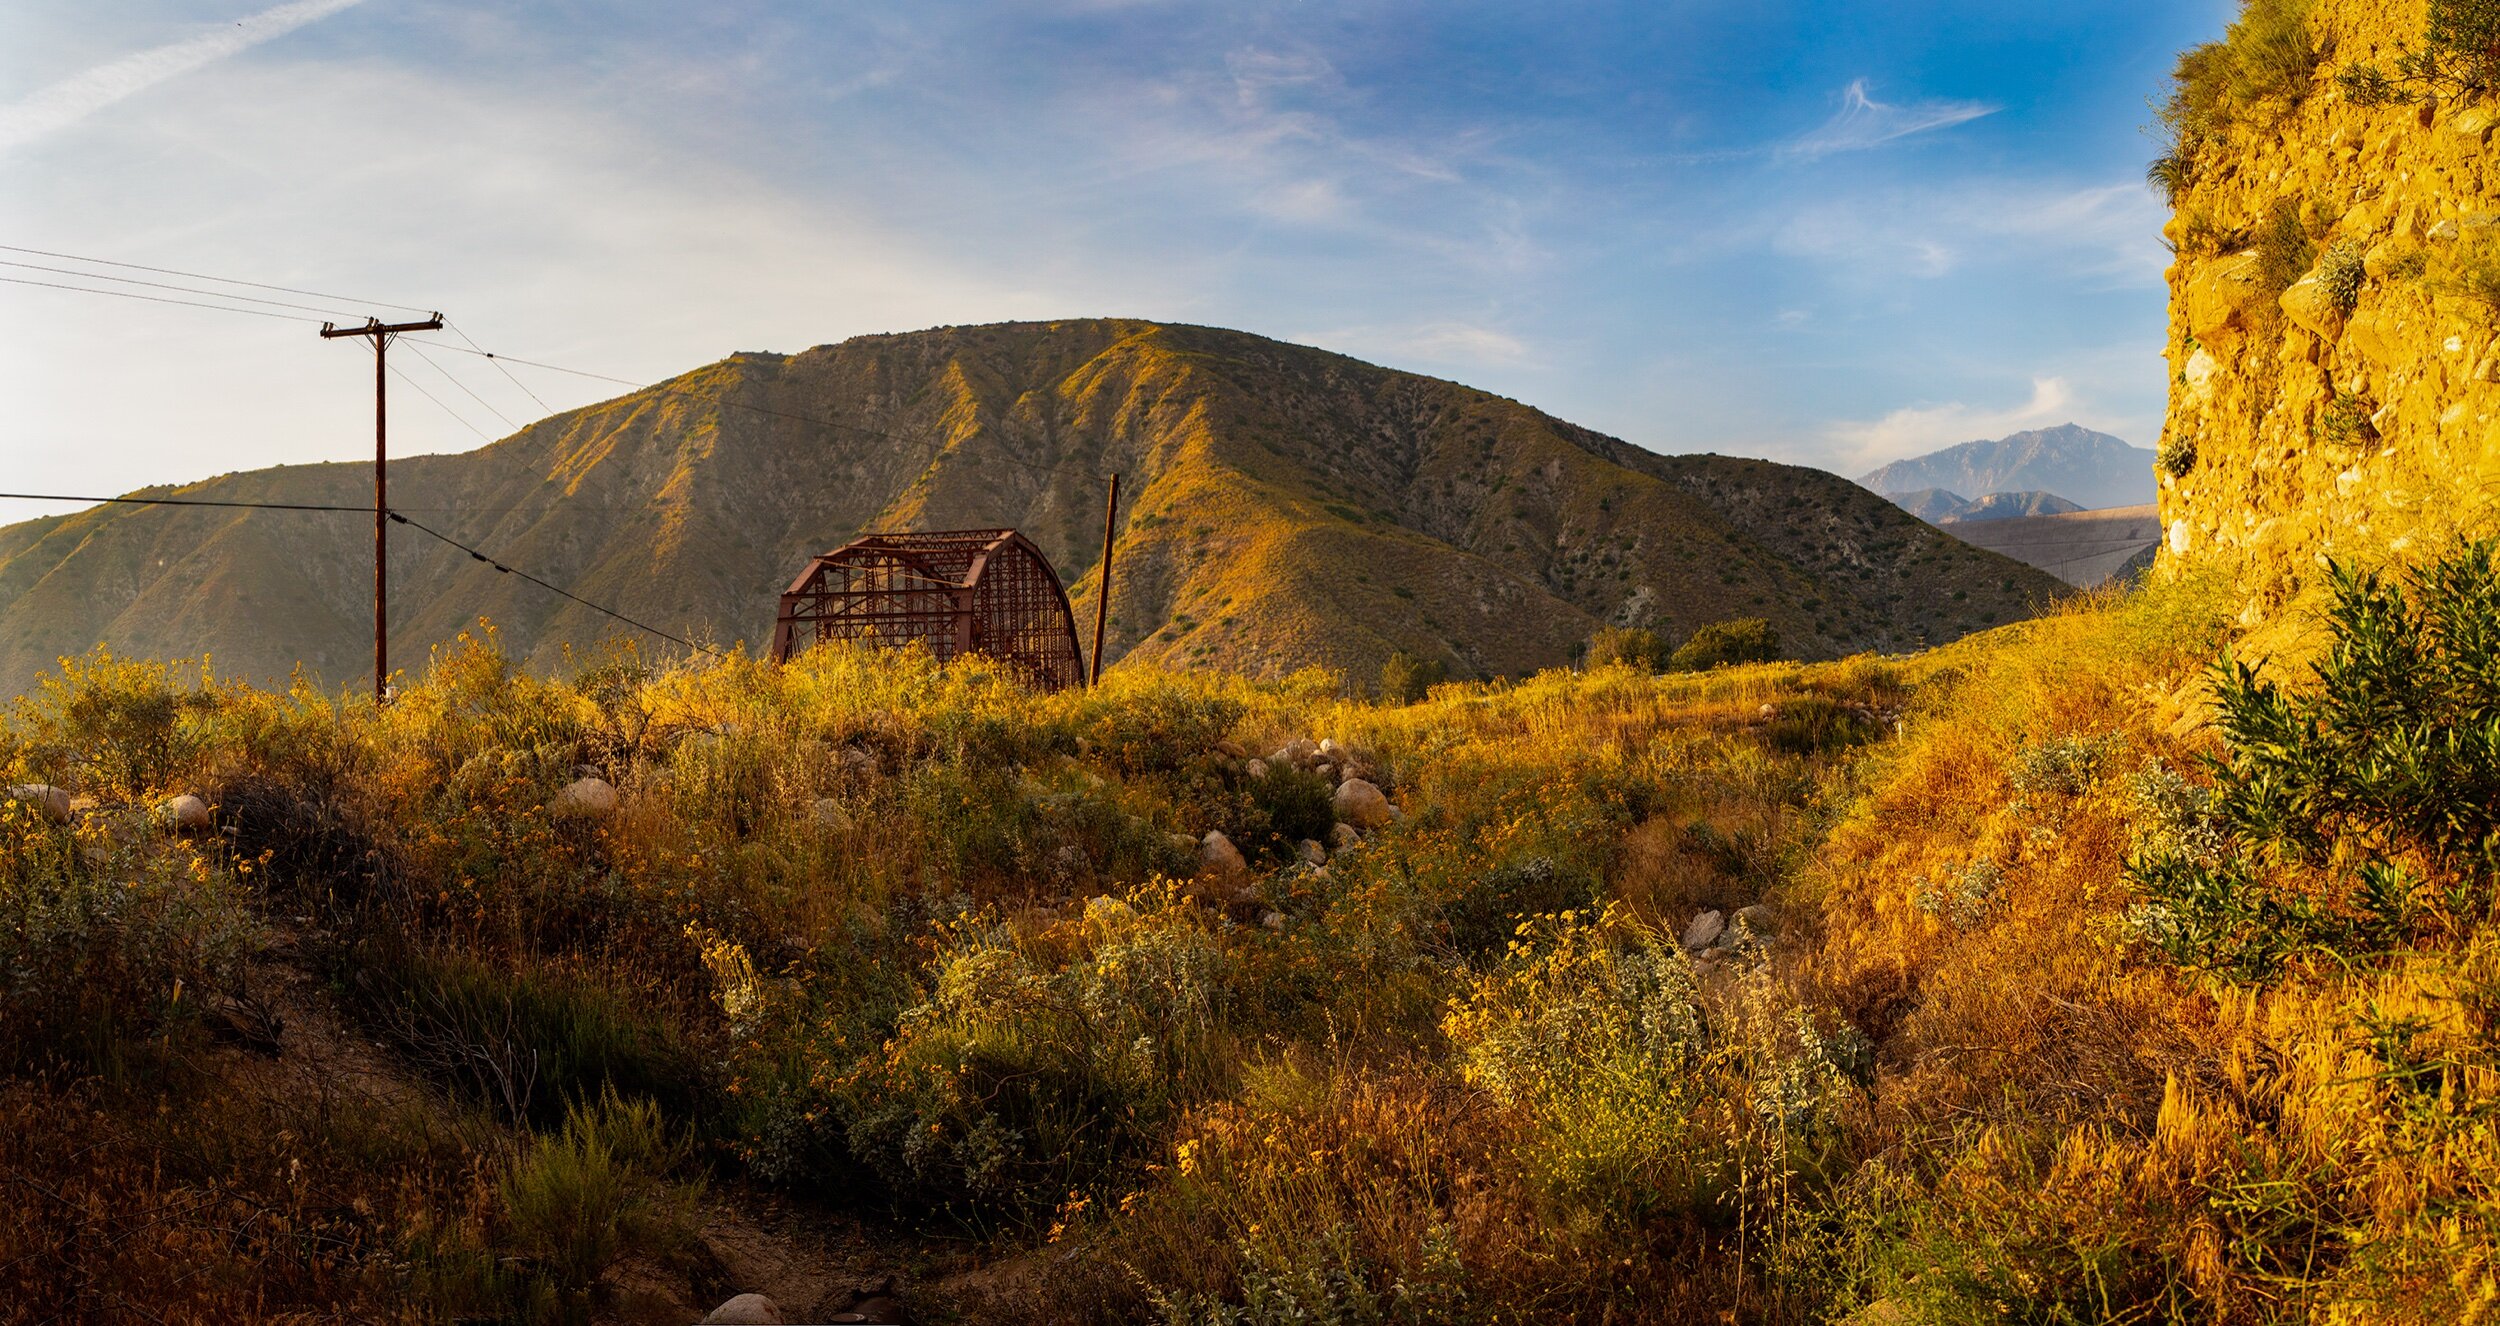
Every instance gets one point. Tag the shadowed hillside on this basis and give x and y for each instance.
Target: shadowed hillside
(1282, 507)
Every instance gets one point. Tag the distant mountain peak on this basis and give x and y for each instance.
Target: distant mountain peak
(2090, 468)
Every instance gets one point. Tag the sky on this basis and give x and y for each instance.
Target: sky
(1831, 232)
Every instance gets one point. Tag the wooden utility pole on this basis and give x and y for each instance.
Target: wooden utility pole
(381, 335)
(1102, 594)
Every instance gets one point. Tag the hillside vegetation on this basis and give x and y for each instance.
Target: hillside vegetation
(2058, 975)
(1283, 507)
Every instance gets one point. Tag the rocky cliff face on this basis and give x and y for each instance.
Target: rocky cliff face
(2334, 345)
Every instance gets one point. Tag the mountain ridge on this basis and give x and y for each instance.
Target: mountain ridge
(2089, 468)
(1283, 507)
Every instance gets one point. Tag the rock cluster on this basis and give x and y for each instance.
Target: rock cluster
(1358, 803)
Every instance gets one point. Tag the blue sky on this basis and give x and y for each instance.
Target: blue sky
(1833, 233)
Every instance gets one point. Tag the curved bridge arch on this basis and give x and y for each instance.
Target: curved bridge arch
(985, 591)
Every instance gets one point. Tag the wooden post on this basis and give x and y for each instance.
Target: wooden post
(381, 336)
(1102, 594)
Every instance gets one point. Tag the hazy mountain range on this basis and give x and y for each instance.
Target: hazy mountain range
(1281, 507)
(2087, 468)
(1938, 507)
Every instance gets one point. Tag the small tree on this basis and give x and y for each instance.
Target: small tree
(1404, 679)
(1741, 640)
(1629, 646)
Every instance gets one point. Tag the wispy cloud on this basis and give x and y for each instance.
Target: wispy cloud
(1863, 122)
(2107, 234)
(1915, 430)
(75, 98)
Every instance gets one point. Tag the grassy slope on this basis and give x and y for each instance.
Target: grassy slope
(1285, 507)
(2045, 1120)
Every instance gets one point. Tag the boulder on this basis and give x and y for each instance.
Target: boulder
(1181, 842)
(2219, 294)
(1344, 837)
(1231, 749)
(1705, 930)
(1311, 852)
(829, 813)
(856, 760)
(1330, 750)
(1274, 921)
(2312, 309)
(1218, 858)
(746, 1310)
(1362, 805)
(52, 803)
(1756, 919)
(585, 799)
(1255, 768)
(184, 814)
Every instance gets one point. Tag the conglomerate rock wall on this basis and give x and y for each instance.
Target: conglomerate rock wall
(2350, 412)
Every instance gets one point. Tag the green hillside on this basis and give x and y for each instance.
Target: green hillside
(1282, 507)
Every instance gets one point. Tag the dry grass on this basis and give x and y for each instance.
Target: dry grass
(915, 935)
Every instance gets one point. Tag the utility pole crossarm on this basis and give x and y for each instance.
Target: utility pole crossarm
(376, 327)
(381, 333)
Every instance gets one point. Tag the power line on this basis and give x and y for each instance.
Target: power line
(181, 501)
(419, 388)
(554, 589)
(456, 330)
(198, 276)
(501, 361)
(163, 285)
(397, 518)
(472, 348)
(420, 353)
(156, 299)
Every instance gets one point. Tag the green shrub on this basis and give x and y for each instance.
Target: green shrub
(2473, 271)
(2285, 252)
(2346, 421)
(1818, 725)
(598, 1190)
(2464, 36)
(117, 728)
(2341, 275)
(2269, 55)
(1405, 679)
(2273, 52)
(1739, 640)
(99, 954)
(1597, 1038)
(2176, 456)
(1030, 1070)
(1484, 917)
(530, 1041)
(1157, 727)
(2347, 815)
(1626, 645)
(2365, 84)
(1296, 803)
(2459, 56)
